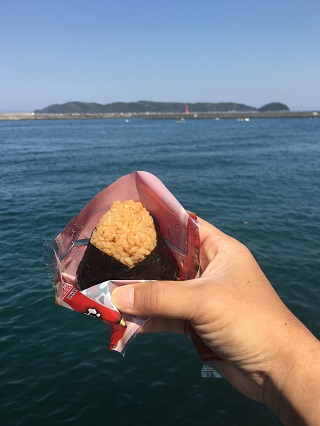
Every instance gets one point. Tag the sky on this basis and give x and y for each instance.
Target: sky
(250, 52)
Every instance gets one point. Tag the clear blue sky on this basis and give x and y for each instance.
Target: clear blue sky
(251, 52)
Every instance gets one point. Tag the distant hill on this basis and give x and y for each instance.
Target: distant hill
(149, 106)
(274, 106)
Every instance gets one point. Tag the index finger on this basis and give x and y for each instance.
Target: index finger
(211, 239)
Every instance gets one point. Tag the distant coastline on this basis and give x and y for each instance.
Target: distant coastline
(159, 110)
(153, 115)
(149, 107)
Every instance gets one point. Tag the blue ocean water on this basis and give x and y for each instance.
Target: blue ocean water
(257, 180)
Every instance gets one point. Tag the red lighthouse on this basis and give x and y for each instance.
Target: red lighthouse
(186, 110)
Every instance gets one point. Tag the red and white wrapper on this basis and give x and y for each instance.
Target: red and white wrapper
(178, 227)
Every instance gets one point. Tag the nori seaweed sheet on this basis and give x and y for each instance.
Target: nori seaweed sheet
(96, 266)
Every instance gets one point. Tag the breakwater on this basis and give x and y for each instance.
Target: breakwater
(154, 115)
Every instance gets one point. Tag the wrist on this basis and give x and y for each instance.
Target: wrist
(292, 388)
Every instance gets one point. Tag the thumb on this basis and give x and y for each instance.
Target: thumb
(169, 299)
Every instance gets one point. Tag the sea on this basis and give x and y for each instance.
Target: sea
(256, 180)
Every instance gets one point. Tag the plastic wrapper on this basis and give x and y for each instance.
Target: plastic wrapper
(178, 228)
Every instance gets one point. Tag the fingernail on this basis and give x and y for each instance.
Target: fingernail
(123, 297)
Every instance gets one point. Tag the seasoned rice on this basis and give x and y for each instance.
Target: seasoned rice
(126, 232)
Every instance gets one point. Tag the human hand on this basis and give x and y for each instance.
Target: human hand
(238, 315)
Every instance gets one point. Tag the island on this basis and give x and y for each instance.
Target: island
(159, 110)
(145, 107)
